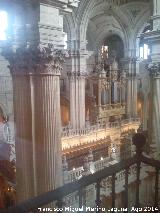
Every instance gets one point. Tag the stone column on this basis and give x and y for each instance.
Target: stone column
(47, 129)
(73, 117)
(155, 101)
(131, 108)
(153, 38)
(99, 93)
(25, 186)
(123, 88)
(77, 100)
(36, 93)
(35, 72)
(156, 14)
(76, 69)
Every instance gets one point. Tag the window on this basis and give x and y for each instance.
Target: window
(144, 51)
(65, 41)
(3, 25)
(104, 51)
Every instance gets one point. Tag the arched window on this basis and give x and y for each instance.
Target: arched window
(3, 25)
(65, 41)
(104, 51)
(144, 49)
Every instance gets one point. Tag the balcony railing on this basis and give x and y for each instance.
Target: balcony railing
(68, 131)
(59, 194)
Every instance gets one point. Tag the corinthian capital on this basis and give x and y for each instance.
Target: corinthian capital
(154, 69)
(35, 60)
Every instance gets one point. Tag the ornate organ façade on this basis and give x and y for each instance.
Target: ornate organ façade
(110, 81)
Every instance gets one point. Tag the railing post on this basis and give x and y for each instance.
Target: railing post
(138, 184)
(98, 201)
(60, 203)
(156, 187)
(139, 140)
(80, 194)
(126, 187)
(113, 191)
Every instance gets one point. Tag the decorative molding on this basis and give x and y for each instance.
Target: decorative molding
(35, 60)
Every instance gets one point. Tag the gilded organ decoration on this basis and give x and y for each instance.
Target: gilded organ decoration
(111, 81)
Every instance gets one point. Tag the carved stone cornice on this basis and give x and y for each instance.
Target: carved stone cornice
(63, 3)
(154, 69)
(35, 60)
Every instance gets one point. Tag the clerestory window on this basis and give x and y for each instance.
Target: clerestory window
(3, 25)
(144, 51)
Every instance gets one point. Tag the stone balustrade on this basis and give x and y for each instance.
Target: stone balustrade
(106, 185)
(68, 131)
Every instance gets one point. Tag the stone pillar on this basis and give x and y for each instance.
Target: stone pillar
(123, 88)
(153, 38)
(145, 112)
(154, 125)
(36, 93)
(156, 14)
(76, 69)
(25, 186)
(77, 100)
(47, 126)
(99, 93)
(131, 108)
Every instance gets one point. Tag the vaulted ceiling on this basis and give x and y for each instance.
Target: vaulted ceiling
(114, 17)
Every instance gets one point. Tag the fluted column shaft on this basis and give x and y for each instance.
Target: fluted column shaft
(132, 89)
(154, 123)
(128, 108)
(76, 72)
(77, 101)
(47, 145)
(36, 93)
(23, 139)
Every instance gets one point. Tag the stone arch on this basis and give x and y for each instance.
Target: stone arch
(143, 17)
(69, 25)
(120, 29)
(83, 17)
(104, 35)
